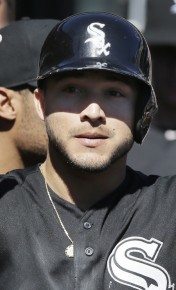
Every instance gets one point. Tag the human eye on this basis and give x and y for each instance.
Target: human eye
(115, 93)
(72, 89)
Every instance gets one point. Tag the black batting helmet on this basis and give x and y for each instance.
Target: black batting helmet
(102, 41)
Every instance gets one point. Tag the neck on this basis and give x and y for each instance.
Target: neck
(81, 188)
(12, 158)
(9, 158)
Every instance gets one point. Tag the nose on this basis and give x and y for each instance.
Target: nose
(93, 113)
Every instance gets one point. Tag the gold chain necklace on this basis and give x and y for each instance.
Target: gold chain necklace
(69, 251)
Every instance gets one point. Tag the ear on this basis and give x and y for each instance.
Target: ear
(39, 103)
(7, 109)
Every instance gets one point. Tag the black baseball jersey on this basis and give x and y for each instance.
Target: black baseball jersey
(126, 241)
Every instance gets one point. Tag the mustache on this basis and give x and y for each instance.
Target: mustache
(102, 131)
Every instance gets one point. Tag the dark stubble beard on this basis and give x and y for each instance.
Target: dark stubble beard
(56, 146)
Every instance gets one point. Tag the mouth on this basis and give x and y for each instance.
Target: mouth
(91, 140)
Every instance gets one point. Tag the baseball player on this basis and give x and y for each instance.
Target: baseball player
(23, 138)
(83, 219)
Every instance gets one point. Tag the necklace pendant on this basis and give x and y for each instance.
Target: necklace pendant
(69, 251)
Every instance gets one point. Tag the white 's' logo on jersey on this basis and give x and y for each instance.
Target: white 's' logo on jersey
(173, 7)
(132, 263)
(0, 37)
(98, 38)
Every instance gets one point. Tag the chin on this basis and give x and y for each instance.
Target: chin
(94, 163)
(89, 168)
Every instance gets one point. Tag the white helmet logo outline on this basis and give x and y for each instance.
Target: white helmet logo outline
(98, 38)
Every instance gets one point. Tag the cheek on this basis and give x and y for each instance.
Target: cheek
(123, 112)
(63, 105)
(128, 117)
(61, 122)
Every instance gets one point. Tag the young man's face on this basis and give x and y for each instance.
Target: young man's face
(89, 118)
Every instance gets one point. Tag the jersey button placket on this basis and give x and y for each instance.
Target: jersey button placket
(88, 251)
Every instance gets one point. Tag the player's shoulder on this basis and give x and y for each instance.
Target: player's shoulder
(160, 185)
(15, 178)
(140, 179)
(167, 183)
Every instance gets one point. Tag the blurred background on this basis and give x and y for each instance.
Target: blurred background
(135, 10)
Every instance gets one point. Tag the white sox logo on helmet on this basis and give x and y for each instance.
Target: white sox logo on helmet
(98, 38)
(133, 263)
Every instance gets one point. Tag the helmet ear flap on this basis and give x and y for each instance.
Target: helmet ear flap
(146, 107)
(142, 128)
